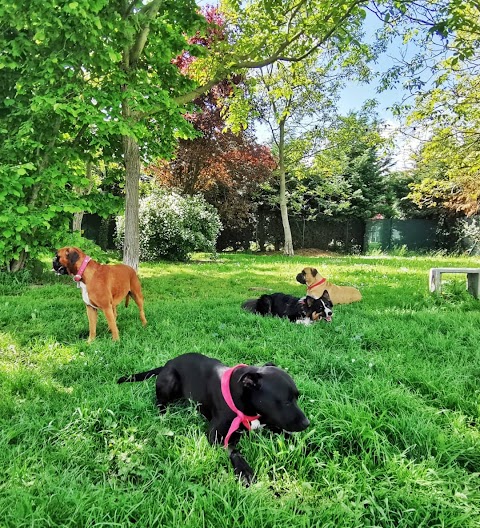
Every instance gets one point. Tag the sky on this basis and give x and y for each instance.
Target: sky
(355, 94)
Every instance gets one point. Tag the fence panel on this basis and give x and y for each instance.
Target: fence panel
(415, 234)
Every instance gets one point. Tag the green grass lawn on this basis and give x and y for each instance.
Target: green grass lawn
(391, 386)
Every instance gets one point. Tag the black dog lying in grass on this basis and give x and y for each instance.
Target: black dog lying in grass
(305, 310)
(240, 397)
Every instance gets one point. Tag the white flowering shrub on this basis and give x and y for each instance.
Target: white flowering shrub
(172, 226)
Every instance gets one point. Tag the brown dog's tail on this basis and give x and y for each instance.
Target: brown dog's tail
(141, 376)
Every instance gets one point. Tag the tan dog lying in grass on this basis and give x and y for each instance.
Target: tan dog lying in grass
(316, 285)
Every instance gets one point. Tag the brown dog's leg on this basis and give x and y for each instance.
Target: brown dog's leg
(92, 323)
(137, 296)
(139, 302)
(112, 323)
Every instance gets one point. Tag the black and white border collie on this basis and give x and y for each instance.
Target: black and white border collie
(305, 310)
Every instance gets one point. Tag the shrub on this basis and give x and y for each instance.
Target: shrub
(468, 232)
(173, 226)
(85, 244)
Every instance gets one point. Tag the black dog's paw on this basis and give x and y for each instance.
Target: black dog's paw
(161, 407)
(245, 472)
(241, 468)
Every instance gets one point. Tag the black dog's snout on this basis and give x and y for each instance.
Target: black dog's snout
(304, 423)
(57, 267)
(298, 425)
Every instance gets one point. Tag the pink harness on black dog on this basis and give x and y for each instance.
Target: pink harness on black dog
(240, 418)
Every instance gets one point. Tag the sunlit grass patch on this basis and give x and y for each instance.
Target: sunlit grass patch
(390, 386)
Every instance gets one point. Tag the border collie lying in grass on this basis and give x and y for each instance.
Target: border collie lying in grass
(303, 311)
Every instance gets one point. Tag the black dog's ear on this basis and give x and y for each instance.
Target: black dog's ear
(250, 380)
(326, 295)
(269, 365)
(72, 256)
(309, 301)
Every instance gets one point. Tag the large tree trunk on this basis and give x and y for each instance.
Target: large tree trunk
(78, 217)
(77, 221)
(18, 264)
(288, 245)
(131, 246)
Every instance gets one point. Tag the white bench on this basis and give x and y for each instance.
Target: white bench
(473, 279)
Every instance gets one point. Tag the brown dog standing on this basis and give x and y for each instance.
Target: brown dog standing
(103, 286)
(316, 285)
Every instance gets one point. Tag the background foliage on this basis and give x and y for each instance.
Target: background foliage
(64, 90)
(173, 226)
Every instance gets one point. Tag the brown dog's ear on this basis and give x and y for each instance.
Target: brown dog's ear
(314, 272)
(250, 380)
(72, 256)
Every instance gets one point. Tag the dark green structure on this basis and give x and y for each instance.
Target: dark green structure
(388, 233)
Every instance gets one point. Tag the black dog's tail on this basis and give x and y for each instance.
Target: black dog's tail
(141, 376)
(250, 305)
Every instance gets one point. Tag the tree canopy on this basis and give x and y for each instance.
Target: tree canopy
(76, 78)
(441, 107)
(97, 79)
(448, 166)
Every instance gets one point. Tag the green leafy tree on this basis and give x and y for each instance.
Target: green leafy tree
(284, 93)
(444, 116)
(353, 162)
(340, 170)
(291, 97)
(447, 173)
(79, 82)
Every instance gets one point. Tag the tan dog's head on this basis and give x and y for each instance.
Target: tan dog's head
(67, 260)
(308, 276)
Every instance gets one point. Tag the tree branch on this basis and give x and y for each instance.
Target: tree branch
(150, 11)
(277, 55)
(197, 92)
(190, 96)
